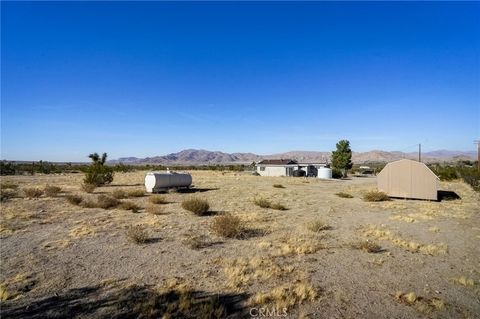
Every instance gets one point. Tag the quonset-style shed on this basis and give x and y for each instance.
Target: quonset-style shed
(408, 179)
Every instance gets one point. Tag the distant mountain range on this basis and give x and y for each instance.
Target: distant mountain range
(202, 157)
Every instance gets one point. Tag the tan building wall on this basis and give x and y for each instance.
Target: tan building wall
(272, 170)
(408, 179)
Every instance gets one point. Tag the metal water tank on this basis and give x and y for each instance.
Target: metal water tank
(158, 181)
(325, 173)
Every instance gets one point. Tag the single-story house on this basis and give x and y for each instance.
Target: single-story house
(286, 167)
(406, 178)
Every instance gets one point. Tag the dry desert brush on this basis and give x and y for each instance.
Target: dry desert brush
(74, 199)
(228, 226)
(157, 199)
(88, 188)
(119, 194)
(196, 205)
(265, 203)
(368, 246)
(376, 196)
(136, 193)
(106, 202)
(278, 186)
(318, 226)
(33, 192)
(6, 194)
(137, 234)
(52, 191)
(344, 195)
(129, 205)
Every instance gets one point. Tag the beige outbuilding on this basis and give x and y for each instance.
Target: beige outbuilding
(408, 179)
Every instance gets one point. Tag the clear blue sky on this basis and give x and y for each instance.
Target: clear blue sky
(145, 79)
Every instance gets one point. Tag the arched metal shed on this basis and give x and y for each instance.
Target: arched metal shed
(408, 179)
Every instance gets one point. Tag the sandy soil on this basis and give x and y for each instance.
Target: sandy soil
(62, 260)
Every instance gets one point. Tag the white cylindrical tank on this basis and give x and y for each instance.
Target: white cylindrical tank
(155, 181)
(325, 173)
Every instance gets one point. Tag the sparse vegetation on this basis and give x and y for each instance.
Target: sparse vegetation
(136, 193)
(464, 281)
(227, 225)
(196, 205)
(119, 194)
(421, 304)
(33, 192)
(106, 202)
(278, 186)
(129, 205)
(265, 203)
(368, 246)
(154, 210)
(376, 196)
(318, 226)
(6, 194)
(344, 195)
(137, 234)
(74, 199)
(196, 242)
(286, 296)
(157, 199)
(88, 188)
(52, 191)
(8, 185)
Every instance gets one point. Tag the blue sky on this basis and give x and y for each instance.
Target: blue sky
(146, 79)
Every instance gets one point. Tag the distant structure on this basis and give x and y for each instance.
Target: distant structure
(406, 178)
(288, 167)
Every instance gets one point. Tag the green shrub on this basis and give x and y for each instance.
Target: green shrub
(52, 191)
(157, 199)
(33, 192)
(98, 173)
(196, 206)
(375, 196)
(445, 173)
(227, 225)
(336, 173)
(74, 199)
(344, 195)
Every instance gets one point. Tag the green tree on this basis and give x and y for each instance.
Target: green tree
(342, 157)
(98, 173)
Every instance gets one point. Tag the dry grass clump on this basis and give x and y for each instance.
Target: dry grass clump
(157, 199)
(137, 234)
(74, 199)
(298, 244)
(286, 296)
(136, 193)
(242, 272)
(382, 233)
(6, 194)
(265, 203)
(318, 226)
(196, 205)
(368, 246)
(464, 281)
(228, 226)
(196, 242)
(129, 205)
(33, 192)
(154, 210)
(344, 195)
(52, 191)
(88, 188)
(421, 304)
(8, 185)
(376, 196)
(278, 186)
(119, 194)
(106, 202)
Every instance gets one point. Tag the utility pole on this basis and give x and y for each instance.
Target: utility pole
(419, 152)
(478, 153)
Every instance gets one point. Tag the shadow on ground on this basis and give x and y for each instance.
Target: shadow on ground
(129, 302)
(447, 195)
(196, 190)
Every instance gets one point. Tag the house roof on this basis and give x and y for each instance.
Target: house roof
(277, 162)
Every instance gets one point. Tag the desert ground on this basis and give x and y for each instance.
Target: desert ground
(315, 259)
